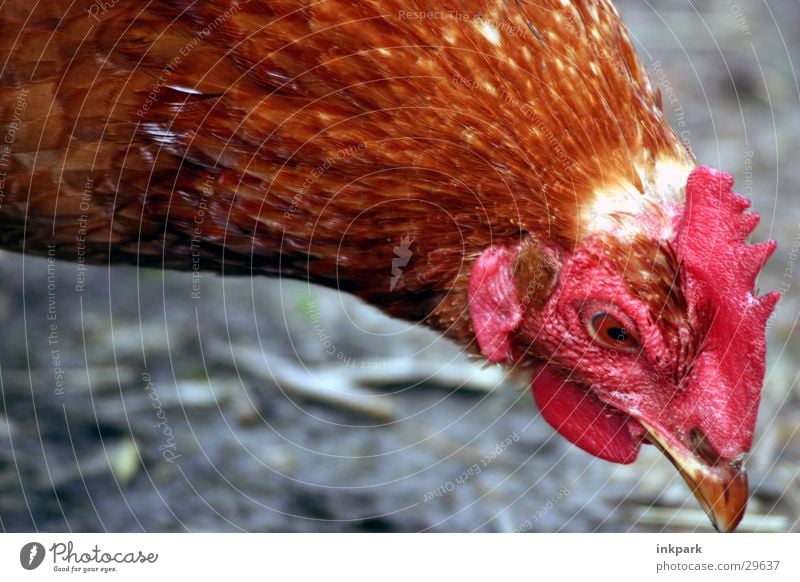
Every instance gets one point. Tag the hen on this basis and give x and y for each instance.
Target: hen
(500, 170)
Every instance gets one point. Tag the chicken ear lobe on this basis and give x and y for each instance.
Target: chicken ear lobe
(505, 283)
(495, 306)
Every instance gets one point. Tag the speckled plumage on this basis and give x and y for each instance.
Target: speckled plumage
(310, 139)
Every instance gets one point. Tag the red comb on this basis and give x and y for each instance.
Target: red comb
(713, 250)
(720, 271)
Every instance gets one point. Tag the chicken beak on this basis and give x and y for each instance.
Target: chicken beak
(720, 488)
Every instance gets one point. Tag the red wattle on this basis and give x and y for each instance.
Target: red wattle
(585, 421)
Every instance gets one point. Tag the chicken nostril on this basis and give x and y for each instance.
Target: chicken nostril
(702, 447)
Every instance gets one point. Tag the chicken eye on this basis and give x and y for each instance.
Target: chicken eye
(610, 332)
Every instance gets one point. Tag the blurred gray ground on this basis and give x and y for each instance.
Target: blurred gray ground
(196, 414)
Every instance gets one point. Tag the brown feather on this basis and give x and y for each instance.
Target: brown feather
(311, 139)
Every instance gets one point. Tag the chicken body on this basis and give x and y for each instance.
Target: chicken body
(500, 170)
(312, 139)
